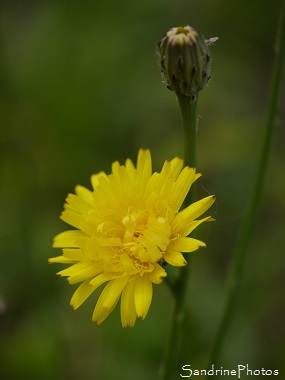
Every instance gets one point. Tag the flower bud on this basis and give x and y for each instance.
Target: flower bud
(185, 60)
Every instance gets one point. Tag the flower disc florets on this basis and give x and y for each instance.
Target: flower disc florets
(125, 227)
(185, 60)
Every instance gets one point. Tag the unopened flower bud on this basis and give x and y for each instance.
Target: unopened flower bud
(185, 61)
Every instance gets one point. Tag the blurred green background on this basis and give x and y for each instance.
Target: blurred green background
(80, 88)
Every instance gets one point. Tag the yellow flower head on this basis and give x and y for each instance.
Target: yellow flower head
(125, 228)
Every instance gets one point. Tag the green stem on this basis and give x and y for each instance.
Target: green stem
(247, 229)
(189, 118)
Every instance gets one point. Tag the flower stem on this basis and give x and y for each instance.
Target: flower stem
(188, 108)
(240, 252)
(190, 120)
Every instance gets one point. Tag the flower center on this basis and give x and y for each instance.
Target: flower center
(134, 240)
(134, 222)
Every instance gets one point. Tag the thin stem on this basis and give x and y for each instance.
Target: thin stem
(247, 229)
(189, 118)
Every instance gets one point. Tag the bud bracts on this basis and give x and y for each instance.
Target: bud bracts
(185, 60)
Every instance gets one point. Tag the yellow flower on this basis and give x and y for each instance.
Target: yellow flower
(125, 228)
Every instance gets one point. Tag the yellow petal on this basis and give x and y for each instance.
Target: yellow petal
(67, 239)
(150, 192)
(186, 244)
(192, 225)
(84, 193)
(158, 232)
(143, 295)
(102, 313)
(81, 294)
(120, 177)
(74, 254)
(99, 280)
(174, 258)
(81, 271)
(132, 171)
(112, 291)
(157, 275)
(144, 169)
(181, 187)
(71, 217)
(176, 167)
(109, 298)
(190, 213)
(155, 185)
(61, 259)
(146, 251)
(104, 188)
(95, 179)
(144, 159)
(128, 310)
(166, 190)
(128, 265)
(77, 203)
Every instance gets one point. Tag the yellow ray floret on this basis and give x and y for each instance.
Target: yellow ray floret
(125, 228)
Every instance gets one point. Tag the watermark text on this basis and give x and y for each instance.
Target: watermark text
(240, 370)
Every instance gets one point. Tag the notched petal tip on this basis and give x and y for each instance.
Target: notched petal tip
(96, 322)
(127, 326)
